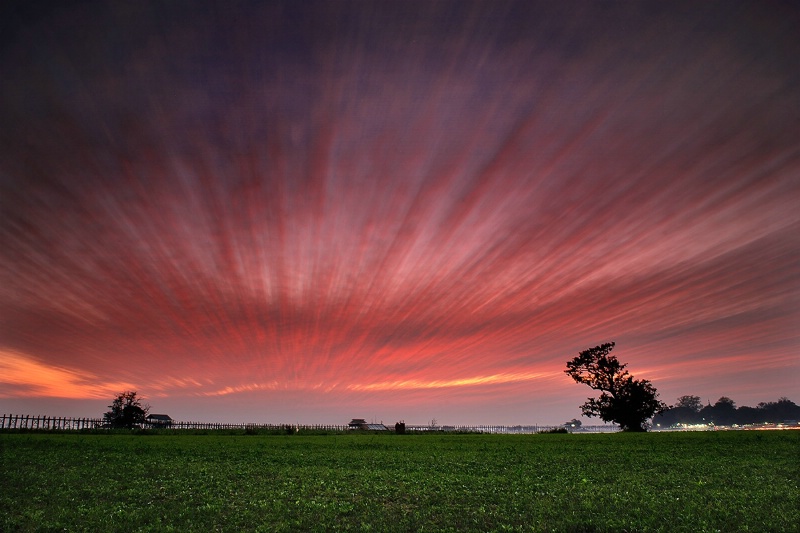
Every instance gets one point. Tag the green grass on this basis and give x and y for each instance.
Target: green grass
(713, 481)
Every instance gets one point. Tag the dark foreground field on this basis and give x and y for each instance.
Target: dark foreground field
(714, 481)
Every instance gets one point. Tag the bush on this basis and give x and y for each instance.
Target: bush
(553, 430)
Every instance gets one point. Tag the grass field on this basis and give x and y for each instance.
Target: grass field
(709, 481)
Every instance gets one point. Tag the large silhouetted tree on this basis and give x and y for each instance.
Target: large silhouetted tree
(628, 402)
(126, 411)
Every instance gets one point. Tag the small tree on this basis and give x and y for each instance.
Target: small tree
(722, 413)
(624, 400)
(685, 411)
(126, 411)
(725, 403)
(692, 403)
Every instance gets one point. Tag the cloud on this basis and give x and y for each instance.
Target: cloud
(429, 201)
(494, 379)
(26, 376)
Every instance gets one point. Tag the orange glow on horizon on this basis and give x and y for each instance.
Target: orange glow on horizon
(29, 377)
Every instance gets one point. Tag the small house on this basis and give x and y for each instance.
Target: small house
(357, 423)
(360, 423)
(159, 421)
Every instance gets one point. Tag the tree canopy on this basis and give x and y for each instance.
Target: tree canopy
(693, 403)
(127, 411)
(626, 401)
(724, 413)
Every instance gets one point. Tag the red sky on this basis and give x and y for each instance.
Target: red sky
(314, 212)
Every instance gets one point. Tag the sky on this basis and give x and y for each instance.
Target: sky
(309, 212)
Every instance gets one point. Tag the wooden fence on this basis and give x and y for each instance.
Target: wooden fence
(274, 427)
(76, 424)
(48, 422)
(67, 423)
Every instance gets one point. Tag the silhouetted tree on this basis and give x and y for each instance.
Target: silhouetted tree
(685, 411)
(624, 400)
(724, 412)
(126, 411)
(781, 411)
(748, 415)
(725, 403)
(692, 403)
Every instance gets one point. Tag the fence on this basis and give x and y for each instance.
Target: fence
(513, 430)
(294, 427)
(48, 422)
(66, 423)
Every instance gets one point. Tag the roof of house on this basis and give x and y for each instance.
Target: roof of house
(163, 418)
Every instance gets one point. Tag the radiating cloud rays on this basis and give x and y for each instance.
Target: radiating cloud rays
(358, 208)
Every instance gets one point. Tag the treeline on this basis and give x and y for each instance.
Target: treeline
(690, 410)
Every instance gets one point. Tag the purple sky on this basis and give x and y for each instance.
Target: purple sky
(308, 212)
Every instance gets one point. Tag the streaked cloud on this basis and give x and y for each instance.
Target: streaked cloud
(439, 384)
(435, 200)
